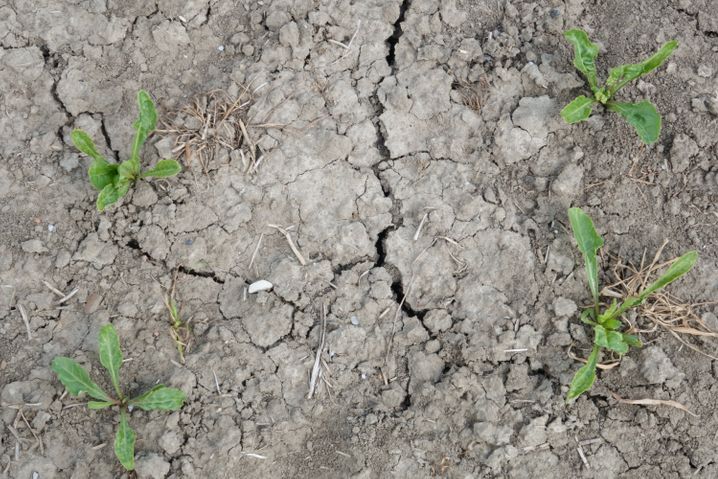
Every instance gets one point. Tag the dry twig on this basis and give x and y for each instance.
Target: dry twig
(653, 402)
(295, 250)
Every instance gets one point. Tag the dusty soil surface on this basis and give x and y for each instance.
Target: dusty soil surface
(373, 120)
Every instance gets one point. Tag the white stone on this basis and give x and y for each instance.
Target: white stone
(261, 285)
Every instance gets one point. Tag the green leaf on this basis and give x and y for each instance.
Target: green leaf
(578, 110)
(144, 125)
(618, 77)
(632, 340)
(643, 116)
(608, 314)
(612, 340)
(585, 53)
(99, 404)
(586, 314)
(679, 267)
(160, 397)
(584, 377)
(599, 336)
(111, 193)
(128, 170)
(163, 169)
(589, 242)
(111, 355)
(102, 173)
(628, 303)
(76, 380)
(84, 143)
(125, 443)
(616, 342)
(612, 324)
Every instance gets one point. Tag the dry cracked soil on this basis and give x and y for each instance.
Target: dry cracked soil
(414, 151)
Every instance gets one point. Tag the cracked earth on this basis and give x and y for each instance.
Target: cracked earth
(414, 150)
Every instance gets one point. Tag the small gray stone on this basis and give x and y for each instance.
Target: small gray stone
(170, 36)
(534, 115)
(657, 368)
(33, 246)
(492, 434)
(705, 71)
(21, 392)
(289, 35)
(144, 195)
(534, 433)
(230, 299)
(170, 442)
(424, 368)
(69, 162)
(270, 325)
(152, 466)
(276, 19)
(432, 346)
(451, 15)
(5, 182)
(96, 252)
(564, 307)
(153, 241)
(683, 149)
(568, 182)
(392, 398)
(437, 320)
(62, 259)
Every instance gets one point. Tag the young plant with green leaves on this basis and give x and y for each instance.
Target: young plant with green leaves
(643, 115)
(113, 180)
(77, 381)
(606, 323)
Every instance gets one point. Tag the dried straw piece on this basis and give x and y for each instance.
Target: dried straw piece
(653, 402)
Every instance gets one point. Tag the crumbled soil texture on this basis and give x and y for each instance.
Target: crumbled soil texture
(367, 122)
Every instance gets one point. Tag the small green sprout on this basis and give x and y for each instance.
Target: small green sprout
(643, 115)
(113, 180)
(607, 323)
(76, 380)
(179, 328)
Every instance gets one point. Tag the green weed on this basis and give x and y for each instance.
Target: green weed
(113, 180)
(643, 115)
(179, 328)
(607, 324)
(76, 380)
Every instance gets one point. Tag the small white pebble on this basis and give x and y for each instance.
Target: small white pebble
(355, 320)
(705, 71)
(51, 228)
(220, 48)
(261, 285)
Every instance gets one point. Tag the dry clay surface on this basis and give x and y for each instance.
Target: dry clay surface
(416, 149)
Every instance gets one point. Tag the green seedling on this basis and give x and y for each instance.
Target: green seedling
(179, 328)
(607, 325)
(76, 380)
(643, 115)
(113, 180)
